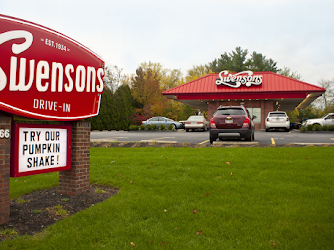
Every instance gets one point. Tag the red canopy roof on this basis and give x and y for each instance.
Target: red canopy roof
(274, 86)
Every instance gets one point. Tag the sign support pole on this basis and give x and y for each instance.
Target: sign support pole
(5, 145)
(76, 181)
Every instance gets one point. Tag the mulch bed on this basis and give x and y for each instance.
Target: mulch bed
(31, 213)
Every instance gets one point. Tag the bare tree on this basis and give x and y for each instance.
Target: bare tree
(327, 99)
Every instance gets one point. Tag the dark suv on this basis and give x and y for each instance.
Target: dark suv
(231, 122)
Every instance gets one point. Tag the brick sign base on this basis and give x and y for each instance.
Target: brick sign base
(5, 123)
(76, 180)
(71, 182)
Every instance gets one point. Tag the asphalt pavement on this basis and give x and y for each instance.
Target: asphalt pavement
(199, 137)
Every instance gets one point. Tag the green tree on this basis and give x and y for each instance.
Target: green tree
(116, 102)
(146, 92)
(286, 71)
(237, 61)
(108, 114)
(124, 105)
(258, 62)
(196, 72)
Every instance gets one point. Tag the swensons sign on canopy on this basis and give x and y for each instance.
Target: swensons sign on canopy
(238, 79)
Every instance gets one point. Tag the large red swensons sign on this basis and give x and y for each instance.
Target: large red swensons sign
(47, 75)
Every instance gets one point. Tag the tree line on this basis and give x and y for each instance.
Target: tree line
(129, 99)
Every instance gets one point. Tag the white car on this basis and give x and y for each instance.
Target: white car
(277, 120)
(327, 119)
(195, 122)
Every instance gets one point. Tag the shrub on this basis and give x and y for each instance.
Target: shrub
(149, 127)
(317, 127)
(170, 127)
(309, 127)
(136, 119)
(154, 126)
(133, 127)
(331, 128)
(142, 127)
(325, 127)
(302, 129)
(162, 127)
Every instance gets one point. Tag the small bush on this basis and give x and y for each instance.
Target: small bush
(8, 233)
(170, 127)
(309, 127)
(20, 200)
(325, 128)
(317, 127)
(331, 128)
(302, 129)
(154, 127)
(99, 191)
(133, 127)
(142, 127)
(162, 127)
(36, 211)
(149, 127)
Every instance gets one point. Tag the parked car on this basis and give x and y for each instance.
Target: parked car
(327, 119)
(277, 120)
(159, 120)
(295, 125)
(195, 122)
(231, 122)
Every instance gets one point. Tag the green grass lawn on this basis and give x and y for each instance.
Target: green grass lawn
(198, 198)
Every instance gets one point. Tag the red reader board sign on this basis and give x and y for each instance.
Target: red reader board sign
(38, 149)
(47, 75)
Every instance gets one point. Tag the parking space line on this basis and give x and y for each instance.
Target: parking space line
(203, 142)
(273, 141)
(158, 138)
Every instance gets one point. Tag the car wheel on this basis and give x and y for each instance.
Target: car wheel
(212, 140)
(249, 138)
(267, 129)
(253, 136)
(187, 130)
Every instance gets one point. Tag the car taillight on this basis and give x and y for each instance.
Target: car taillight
(188, 122)
(199, 122)
(267, 119)
(246, 122)
(287, 119)
(212, 123)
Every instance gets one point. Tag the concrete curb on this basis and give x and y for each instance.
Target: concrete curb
(235, 142)
(153, 141)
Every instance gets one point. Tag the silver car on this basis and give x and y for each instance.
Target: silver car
(195, 122)
(277, 120)
(159, 120)
(327, 119)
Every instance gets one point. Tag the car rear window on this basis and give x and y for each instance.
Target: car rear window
(277, 115)
(230, 111)
(195, 118)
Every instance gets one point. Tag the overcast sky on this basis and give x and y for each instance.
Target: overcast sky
(298, 34)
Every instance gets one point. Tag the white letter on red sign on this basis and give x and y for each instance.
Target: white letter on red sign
(42, 72)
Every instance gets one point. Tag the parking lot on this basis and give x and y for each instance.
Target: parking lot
(199, 137)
